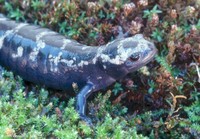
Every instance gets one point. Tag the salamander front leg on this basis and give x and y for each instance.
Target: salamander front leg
(81, 101)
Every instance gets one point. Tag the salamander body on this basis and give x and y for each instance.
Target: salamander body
(45, 57)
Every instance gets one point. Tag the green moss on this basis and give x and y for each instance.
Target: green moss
(40, 114)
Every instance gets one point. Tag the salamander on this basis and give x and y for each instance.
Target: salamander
(44, 57)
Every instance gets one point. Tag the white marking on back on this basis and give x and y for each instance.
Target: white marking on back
(54, 60)
(19, 52)
(3, 19)
(65, 42)
(40, 44)
(68, 62)
(8, 32)
(33, 54)
(84, 47)
(4, 36)
(57, 60)
(19, 27)
(82, 63)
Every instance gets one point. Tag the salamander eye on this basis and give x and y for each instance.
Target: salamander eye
(134, 57)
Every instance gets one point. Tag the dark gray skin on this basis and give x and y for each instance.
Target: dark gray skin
(44, 57)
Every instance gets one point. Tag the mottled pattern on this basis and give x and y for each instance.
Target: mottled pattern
(44, 57)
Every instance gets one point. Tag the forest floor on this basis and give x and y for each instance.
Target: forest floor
(160, 100)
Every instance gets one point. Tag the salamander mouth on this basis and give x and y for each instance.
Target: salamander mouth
(150, 57)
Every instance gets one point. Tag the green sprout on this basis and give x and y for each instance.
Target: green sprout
(158, 35)
(117, 88)
(149, 13)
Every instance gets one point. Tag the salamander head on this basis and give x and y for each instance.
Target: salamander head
(139, 52)
(127, 55)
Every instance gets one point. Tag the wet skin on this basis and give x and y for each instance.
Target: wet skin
(44, 57)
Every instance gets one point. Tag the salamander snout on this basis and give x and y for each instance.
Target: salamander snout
(150, 51)
(142, 54)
